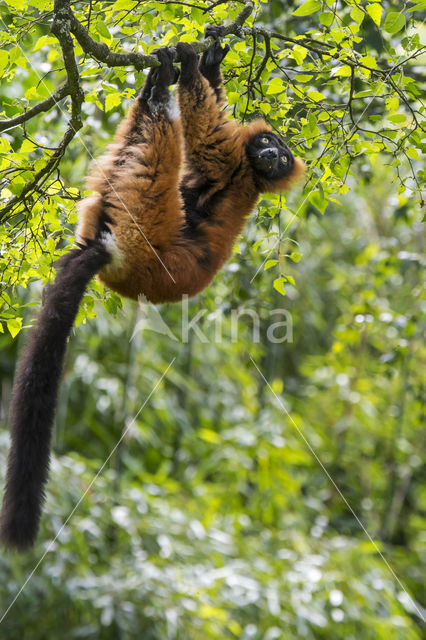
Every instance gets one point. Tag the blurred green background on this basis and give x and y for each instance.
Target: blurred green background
(259, 490)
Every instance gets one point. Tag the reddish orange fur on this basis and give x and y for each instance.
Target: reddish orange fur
(141, 195)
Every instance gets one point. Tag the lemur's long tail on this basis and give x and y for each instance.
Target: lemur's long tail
(35, 392)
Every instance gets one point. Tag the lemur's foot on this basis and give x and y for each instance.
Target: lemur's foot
(216, 53)
(189, 61)
(156, 89)
(167, 74)
(214, 30)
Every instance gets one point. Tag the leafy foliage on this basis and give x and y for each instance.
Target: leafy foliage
(213, 517)
(343, 88)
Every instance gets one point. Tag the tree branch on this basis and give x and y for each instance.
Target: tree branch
(45, 105)
(102, 53)
(43, 173)
(64, 23)
(61, 29)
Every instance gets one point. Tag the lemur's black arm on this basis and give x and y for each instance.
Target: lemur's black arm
(211, 60)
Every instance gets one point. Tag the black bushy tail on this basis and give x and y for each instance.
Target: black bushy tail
(34, 395)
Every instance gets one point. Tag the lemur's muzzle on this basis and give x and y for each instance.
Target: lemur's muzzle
(271, 153)
(268, 158)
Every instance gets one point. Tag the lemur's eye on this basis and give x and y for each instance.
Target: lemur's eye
(284, 159)
(264, 141)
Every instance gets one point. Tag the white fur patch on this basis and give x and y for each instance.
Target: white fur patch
(173, 109)
(117, 256)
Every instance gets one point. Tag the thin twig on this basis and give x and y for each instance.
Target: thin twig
(45, 105)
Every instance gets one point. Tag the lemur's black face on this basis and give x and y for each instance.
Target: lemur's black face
(269, 156)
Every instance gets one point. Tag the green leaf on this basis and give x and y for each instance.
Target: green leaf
(276, 85)
(120, 4)
(420, 6)
(27, 146)
(344, 72)
(4, 59)
(337, 35)
(394, 22)
(14, 325)
(369, 61)
(278, 285)
(43, 41)
(4, 145)
(102, 29)
(299, 53)
(269, 264)
(326, 18)
(295, 256)
(375, 12)
(313, 124)
(316, 96)
(357, 15)
(303, 78)
(17, 4)
(412, 153)
(397, 117)
(318, 200)
(232, 97)
(307, 8)
(112, 100)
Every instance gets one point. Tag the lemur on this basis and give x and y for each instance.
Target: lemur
(170, 196)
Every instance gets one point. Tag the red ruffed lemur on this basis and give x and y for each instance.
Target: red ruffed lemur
(171, 194)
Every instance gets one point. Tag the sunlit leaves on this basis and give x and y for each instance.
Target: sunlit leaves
(308, 7)
(397, 118)
(326, 18)
(394, 22)
(303, 91)
(4, 59)
(279, 285)
(102, 30)
(357, 14)
(14, 326)
(375, 10)
(420, 5)
(319, 200)
(270, 263)
(299, 53)
(413, 153)
(112, 100)
(120, 4)
(276, 85)
(344, 71)
(43, 41)
(316, 96)
(16, 4)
